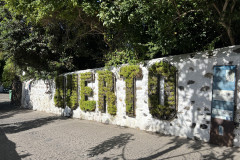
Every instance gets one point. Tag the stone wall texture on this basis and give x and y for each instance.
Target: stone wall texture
(194, 96)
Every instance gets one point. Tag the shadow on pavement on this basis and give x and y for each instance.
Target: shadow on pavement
(8, 148)
(5, 106)
(113, 143)
(27, 125)
(7, 110)
(194, 147)
(11, 112)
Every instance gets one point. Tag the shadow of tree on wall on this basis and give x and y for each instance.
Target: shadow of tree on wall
(112, 143)
(8, 148)
(27, 125)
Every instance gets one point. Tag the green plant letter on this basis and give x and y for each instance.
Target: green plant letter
(130, 73)
(86, 91)
(72, 91)
(106, 89)
(168, 72)
(59, 96)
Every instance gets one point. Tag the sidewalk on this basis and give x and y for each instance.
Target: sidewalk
(26, 134)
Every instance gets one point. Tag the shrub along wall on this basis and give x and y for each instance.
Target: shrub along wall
(170, 95)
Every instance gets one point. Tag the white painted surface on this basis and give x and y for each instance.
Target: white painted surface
(223, 95)
(194, 96)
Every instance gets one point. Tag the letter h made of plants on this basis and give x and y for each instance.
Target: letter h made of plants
(106, 95)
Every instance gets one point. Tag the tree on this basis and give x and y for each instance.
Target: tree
(52, 46)
(170, 27)
(2, 64)
(227, 15)
(9, 73)
(43, 37)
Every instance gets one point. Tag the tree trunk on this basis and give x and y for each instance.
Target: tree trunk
(230, 36)
(229, 32)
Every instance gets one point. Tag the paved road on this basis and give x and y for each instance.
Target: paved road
(26, 134)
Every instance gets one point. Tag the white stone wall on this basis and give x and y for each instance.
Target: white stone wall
(36, 96)
(194, 96)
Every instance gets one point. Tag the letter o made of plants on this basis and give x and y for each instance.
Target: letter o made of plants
(72, 91)
(86, 91)
(106, 90)
(130, 73)
(167, 109)
(59, 95)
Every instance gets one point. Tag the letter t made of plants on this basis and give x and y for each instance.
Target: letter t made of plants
(130, 73)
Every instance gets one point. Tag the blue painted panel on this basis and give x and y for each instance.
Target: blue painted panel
(223, 80)
(223, 105)
(220, 82)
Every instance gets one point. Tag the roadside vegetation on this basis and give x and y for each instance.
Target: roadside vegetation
(42, 39)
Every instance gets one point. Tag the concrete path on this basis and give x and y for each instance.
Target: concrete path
(26, 134)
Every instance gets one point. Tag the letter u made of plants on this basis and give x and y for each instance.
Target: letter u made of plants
(85, 91)
(72, 91)
(106, 89)
(130, 73)
(167, 110)
(59, 92)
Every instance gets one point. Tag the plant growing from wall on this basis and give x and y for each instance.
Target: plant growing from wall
(106, 89)
(86, 91)
(72, 91)
(59, 92)
(167, 110)
(130, 73)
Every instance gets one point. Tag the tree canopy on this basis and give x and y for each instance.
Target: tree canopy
(51, 47)
(45, 38)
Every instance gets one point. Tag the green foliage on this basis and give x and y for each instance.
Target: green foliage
(46, 38)
(8, 74)
(156, 28)
(166, 111)
(72, 91)
(122, 57)
(86, 105)
(36, 10)
(53, 45)
(59, 95)
(130, 72)
(106, 88)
